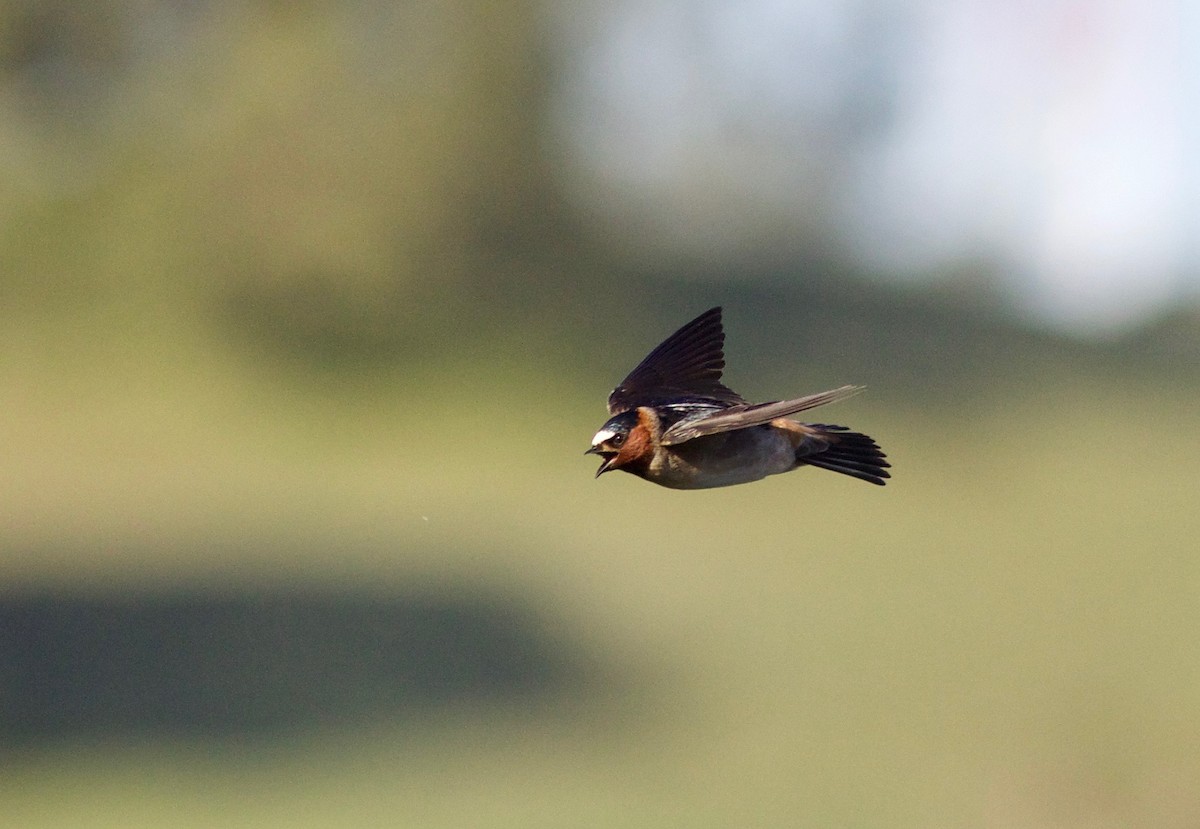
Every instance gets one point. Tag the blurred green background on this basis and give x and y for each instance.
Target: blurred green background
(304, 333)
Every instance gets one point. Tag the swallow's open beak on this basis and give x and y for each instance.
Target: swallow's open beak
(608, 457)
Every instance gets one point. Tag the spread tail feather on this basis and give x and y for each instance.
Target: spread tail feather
(838, 449)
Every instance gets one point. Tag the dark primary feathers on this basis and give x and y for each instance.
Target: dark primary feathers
(685, 367)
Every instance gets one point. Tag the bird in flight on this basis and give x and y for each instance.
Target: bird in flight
(674, 423)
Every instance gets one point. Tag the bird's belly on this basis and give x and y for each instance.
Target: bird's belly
(725, 459)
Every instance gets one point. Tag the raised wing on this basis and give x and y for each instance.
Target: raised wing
(686, 366)
(745, 415)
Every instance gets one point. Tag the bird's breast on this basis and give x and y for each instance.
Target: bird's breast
(723, 459)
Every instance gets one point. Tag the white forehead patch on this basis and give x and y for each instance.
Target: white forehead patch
(603, 436)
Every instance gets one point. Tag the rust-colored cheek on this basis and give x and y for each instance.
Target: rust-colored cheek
(637, 450)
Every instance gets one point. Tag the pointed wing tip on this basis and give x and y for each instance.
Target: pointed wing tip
(843, 392)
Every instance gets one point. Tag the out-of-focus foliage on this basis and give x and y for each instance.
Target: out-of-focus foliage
(361, 169)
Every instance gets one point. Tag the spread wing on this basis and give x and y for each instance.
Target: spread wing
(746, 415)
(687, 366)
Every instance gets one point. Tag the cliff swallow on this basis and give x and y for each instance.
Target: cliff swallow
(674, 423)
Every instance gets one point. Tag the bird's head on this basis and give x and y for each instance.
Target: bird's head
(624, 441)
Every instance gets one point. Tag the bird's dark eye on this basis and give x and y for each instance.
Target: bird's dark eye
(617, 440)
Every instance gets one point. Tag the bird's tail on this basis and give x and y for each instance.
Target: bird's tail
(838, 449)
